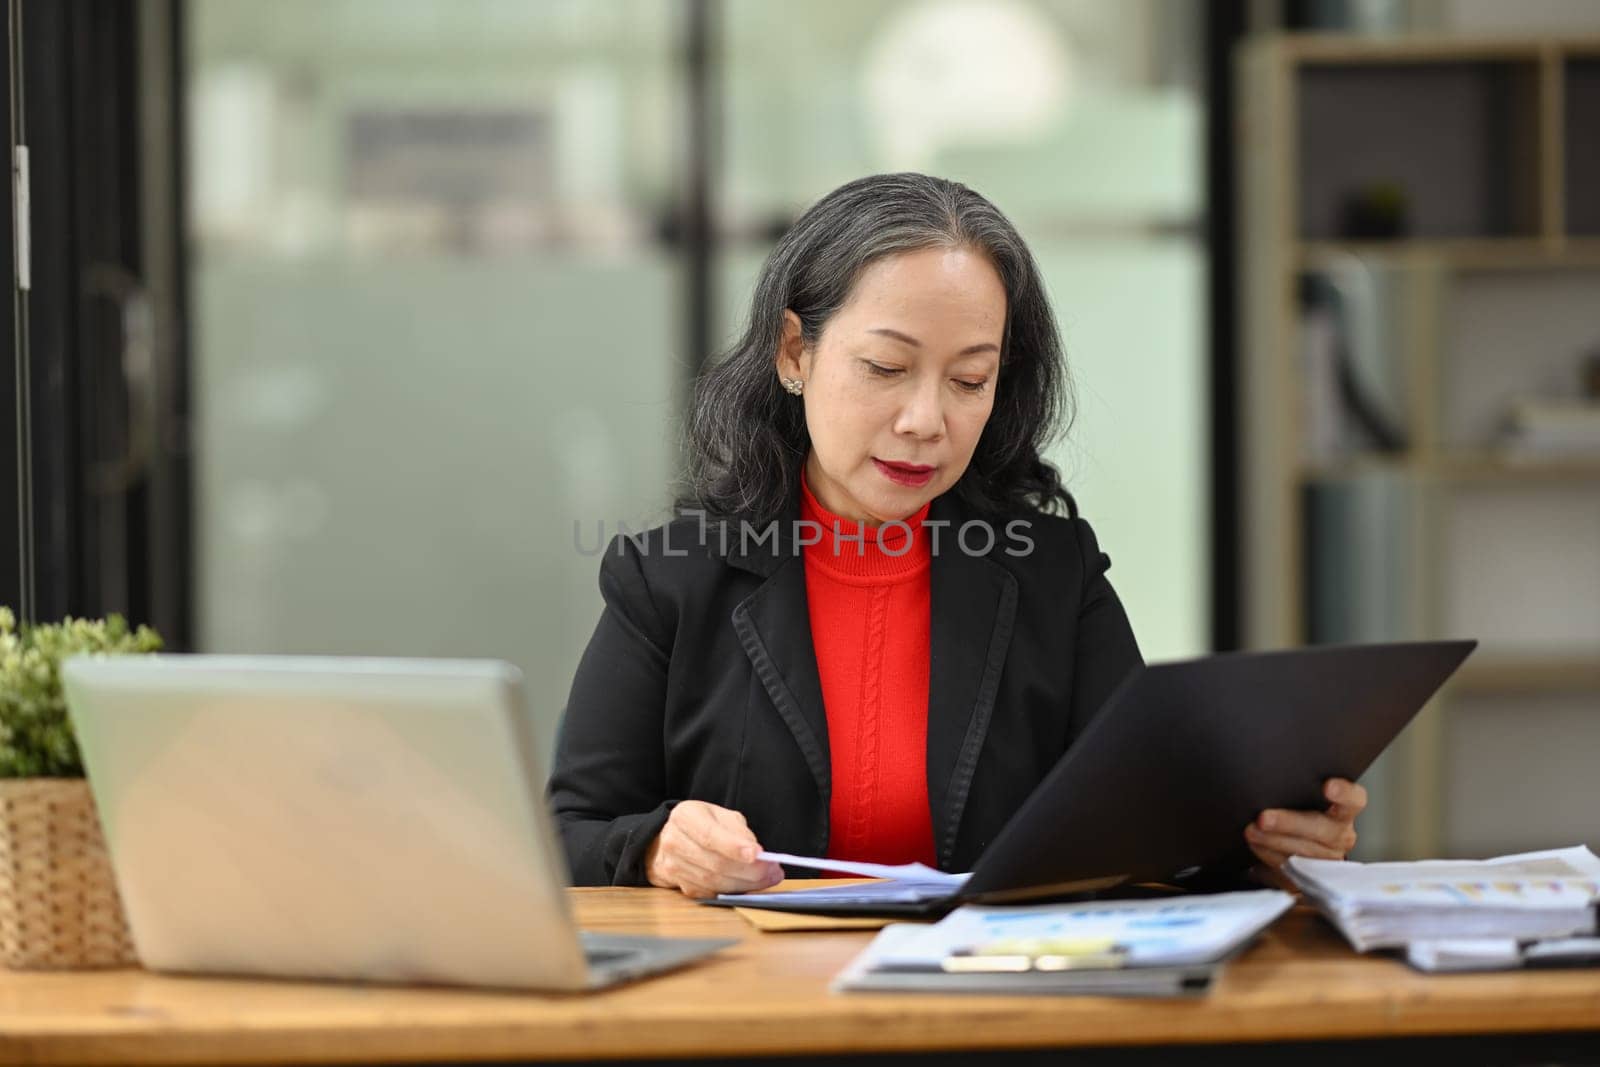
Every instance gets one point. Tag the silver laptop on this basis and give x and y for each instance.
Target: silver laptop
(317, 817)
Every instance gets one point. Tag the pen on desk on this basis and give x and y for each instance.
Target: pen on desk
(1036, 954)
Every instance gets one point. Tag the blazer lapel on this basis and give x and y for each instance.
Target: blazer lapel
(774, 626)
(974, 603)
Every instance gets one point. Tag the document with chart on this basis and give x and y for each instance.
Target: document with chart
(1525, 897)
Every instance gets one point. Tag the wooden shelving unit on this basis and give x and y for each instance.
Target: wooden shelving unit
(1510, 674)
(1468, 253)
(1497, 143)
(1462, 467)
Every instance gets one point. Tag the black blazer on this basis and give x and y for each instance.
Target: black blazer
(701, 682)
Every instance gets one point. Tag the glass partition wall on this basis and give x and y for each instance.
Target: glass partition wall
(435, 319)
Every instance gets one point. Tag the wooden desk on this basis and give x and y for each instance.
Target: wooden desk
(768, 995)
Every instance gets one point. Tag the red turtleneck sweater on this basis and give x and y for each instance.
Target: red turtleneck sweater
(870, 606)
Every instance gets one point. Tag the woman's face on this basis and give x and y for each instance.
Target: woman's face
(901, 382)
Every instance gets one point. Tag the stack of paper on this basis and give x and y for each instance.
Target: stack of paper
(1527, 897)
(1166, 946)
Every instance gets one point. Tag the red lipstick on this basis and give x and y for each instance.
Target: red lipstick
(912, 474)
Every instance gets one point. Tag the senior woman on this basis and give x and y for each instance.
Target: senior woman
(878, 620)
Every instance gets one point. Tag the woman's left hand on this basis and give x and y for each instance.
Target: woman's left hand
(1278, 834)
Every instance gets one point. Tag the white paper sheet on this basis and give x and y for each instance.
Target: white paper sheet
(1554, 878)
(904, 872)
(1161, 931)
(905, 883)
(1465, 954)
(1500, 954)
(868, 972)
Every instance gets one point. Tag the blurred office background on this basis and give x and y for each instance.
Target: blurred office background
(375, 310)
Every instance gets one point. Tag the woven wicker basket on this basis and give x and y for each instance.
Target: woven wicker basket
(59, 908)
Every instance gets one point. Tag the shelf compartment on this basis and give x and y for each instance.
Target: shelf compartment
(1581, 108)
(1524, 674)
(1465, 253)
(1507, 338)
(1516, 567)
(1460, 140)
(1517, 771)
(1464, 467)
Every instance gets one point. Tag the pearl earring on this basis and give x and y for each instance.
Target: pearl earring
(793, 385)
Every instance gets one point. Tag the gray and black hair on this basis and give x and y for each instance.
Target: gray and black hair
(747, 438)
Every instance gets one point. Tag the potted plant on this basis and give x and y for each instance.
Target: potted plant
(59, 906)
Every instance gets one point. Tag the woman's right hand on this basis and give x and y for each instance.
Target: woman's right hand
(704, 850)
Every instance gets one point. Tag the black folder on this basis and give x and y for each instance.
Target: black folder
(1180, 759)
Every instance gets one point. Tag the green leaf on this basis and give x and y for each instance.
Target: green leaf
(36, 736)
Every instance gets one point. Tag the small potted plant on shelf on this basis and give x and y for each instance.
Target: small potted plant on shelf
(59, 907)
